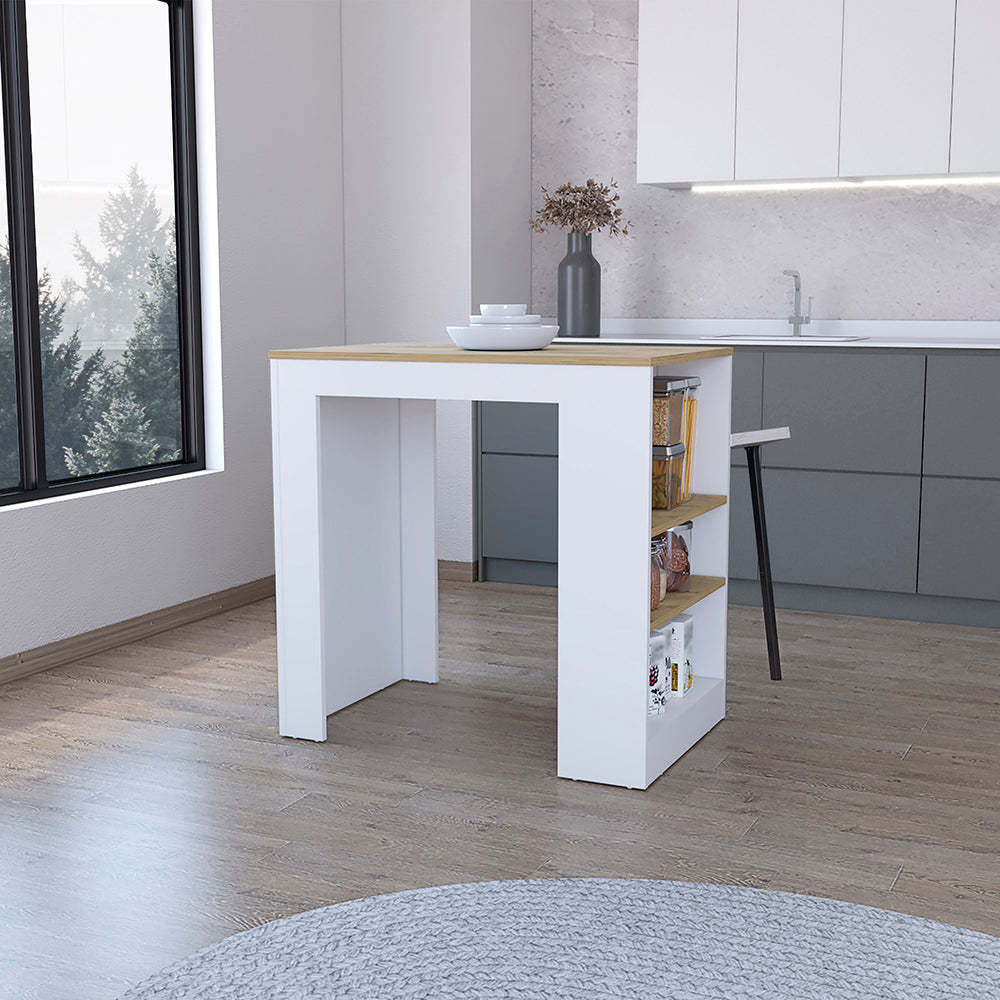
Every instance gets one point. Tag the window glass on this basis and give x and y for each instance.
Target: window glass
(10, 459)
(102, 146)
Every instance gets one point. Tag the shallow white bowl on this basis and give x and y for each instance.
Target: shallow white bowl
(485, 320)
(491, 337)
(499, 309)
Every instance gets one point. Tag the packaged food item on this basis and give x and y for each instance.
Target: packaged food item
(668, 476)
(675, 557)
(669, 395)
(658, 670)
(681, 650)
(690, 424)
(657, 580)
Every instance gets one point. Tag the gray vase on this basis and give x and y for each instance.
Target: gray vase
(579, 289)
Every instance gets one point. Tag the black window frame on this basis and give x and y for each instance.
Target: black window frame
(14, 72)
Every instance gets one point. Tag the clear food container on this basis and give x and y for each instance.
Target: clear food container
(657, 576)
(668, 476)
(690, 425)
(669, 395)
(674, 553)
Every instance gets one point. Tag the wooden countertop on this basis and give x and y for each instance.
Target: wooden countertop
(554, 354)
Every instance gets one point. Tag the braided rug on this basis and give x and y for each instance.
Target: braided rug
(576, 939)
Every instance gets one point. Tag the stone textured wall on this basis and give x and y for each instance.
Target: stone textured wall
(870, 254)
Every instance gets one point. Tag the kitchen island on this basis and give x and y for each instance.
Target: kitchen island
(354, 477)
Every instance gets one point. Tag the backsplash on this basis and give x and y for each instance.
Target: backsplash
(869, 254)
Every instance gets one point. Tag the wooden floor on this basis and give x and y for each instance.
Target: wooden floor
(148, 808)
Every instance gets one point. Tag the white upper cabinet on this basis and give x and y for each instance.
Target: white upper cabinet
(687, 90)
(788, 89)
(975, 125)
(896, 92)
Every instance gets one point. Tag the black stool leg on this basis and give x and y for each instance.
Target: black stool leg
(763, 560)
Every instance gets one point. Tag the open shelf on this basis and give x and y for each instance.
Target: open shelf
(673, 604)
(700, 503)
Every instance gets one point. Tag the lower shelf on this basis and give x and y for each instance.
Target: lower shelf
(685, 721)
(673, 604)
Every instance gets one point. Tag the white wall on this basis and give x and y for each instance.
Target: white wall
(81, 562)
(901, 253)
(419, 95)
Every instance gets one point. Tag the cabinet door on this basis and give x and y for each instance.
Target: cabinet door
(975, 121)
(742, 540)
(520, 428)
(896, 91)
(687, 90)
(962, 416)
(788, 89)
(851, 410)
(748, 376)
(838, 529)
(520, 507)
(960, 539)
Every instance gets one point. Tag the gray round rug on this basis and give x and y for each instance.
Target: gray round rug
(549, 939)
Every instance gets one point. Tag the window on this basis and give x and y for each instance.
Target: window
(100, 317)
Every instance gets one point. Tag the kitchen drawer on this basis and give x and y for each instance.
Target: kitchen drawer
(520, 505)
(962, 416)
(850, 410)
(960, 538)
(520, 428)
(748, 377)
(841, 529)
(742, 545)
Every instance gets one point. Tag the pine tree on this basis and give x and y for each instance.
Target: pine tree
(150, 364)
(130, 227)
(70, 383)
(120, 440)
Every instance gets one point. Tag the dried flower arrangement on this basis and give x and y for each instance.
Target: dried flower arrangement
(581, 208)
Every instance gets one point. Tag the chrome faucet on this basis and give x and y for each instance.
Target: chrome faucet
(797, 319)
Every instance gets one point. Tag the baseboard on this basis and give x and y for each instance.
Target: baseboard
(460, 572)
(76, 647)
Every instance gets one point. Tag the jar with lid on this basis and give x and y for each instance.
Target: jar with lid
(657, 574)
(668, 476)
(669, 395)
(674, 551)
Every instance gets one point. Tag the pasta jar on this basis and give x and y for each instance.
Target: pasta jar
(668, 476)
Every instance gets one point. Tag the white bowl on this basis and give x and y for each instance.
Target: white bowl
(498, 309)
(510, 320)
(492, 337)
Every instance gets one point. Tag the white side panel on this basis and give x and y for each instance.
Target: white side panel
(301, 684)
(687, 90)
(896, 98)
(604, 466)
(975, 126)
(788, 89)
(418, 559)
(360, 528)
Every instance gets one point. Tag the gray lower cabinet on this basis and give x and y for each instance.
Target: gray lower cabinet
(748, 387)
(742, 543)
(519, 428)
(848, 409)
(520, 512)
(962, 416)
(842, 529)
(960, 538)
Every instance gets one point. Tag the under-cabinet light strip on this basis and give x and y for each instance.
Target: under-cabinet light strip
(879, 182)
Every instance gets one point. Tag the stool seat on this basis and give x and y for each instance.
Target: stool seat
(752, 441)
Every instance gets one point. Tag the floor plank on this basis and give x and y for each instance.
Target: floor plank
(149, 808)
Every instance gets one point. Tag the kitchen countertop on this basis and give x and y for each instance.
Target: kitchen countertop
(912, 334)
(564, 352)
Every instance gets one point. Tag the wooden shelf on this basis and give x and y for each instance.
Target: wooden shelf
(700, 503)
(673, 604)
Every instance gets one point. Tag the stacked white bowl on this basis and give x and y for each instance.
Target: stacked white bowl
(503, 327)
